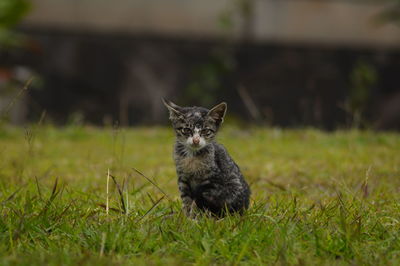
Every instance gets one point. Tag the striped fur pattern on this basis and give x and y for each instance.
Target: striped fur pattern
(208, 178)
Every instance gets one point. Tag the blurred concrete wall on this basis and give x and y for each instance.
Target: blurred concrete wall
(334, 22)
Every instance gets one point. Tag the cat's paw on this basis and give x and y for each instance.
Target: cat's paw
(191, 210)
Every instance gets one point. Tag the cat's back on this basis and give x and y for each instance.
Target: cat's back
(223, 159)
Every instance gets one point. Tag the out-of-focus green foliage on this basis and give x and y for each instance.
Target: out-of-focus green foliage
(236, 12)
(207, 79)
(11, 12)
(362, 78)
(390, 14)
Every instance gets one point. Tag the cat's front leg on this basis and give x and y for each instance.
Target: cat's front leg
(188, 207)
(188, 203)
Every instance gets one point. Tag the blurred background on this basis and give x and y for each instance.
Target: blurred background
(288, 63)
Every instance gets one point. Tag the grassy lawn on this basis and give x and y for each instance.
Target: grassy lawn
(318, 198)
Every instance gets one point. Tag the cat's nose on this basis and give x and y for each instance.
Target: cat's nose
(196, 140)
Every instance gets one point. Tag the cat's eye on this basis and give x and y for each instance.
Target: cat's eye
(206, 132)
(186, 131)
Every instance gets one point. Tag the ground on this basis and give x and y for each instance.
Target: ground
(318, 198)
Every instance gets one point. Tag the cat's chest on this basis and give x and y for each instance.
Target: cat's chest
(194, 166)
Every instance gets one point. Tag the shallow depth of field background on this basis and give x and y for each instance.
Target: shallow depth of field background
(313, 116)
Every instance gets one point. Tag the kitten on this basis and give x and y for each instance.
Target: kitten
(208, 178)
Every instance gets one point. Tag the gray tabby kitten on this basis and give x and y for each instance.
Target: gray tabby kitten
(208, 178)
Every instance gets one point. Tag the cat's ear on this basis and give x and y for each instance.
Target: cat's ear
(218, 112)
(174, 110)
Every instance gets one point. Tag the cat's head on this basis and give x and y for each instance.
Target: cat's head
(195, 127)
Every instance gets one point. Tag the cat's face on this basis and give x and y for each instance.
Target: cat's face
(195, 127)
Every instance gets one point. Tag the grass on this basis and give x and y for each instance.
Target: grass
(318, 198)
